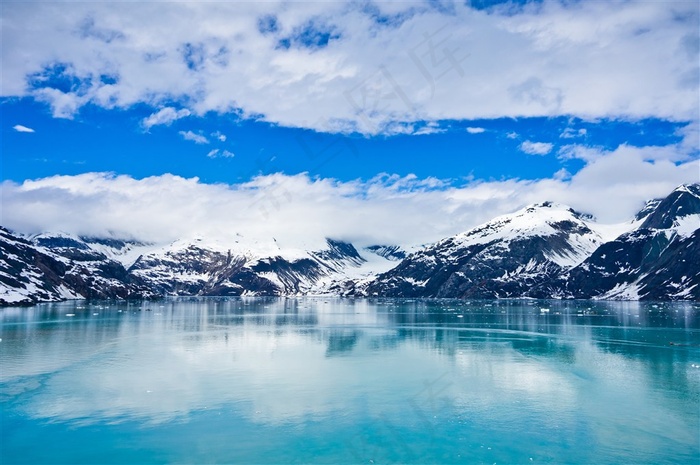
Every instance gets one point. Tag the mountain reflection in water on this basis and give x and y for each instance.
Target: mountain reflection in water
(352, 380)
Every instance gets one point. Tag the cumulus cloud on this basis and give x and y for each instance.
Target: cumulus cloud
(165, 116)
(472, 130)
(301, 211)
(536, 148)
(20, 128)
(63, 104)
(342, 67)
(194, 137)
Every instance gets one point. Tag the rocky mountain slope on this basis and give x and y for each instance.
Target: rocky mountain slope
(49, 267)
(505, 257)
(196, 268)
(550, 251)
(58, 268)
(660, 259)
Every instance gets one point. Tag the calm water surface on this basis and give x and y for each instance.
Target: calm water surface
(312, 380)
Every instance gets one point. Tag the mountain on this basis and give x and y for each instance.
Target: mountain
(657, 260)
(60, 267)
(197, 268)
(546, 250)
(390, 252)
(50, 267)
(27, 275)
(550, 251)
(504, 257)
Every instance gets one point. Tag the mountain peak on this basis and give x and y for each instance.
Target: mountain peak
(559, 207)
(647, 209)
(692, 189)
(544, 218)
(682, 202)
(547, 204)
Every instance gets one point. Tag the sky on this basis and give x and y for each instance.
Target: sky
(392, 122)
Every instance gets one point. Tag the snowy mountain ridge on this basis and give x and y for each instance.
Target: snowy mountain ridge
(656, 260)
(543, 220)
(501, 258)
(183, 267)
(545, 250)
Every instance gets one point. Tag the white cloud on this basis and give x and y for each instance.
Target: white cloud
(301, 211)
(194, 137)
(562, 174)
(218, 135)
(581, 152)
(472, 130)
(690, 134)
(632, 59)
(536, 148)
(165, 116)
(512, 135)
(20, 128)
(63, 104)
(571, 133)
(218, 153)
(432, 127)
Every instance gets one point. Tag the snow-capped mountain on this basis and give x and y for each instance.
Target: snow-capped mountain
(48, 267)
(657, 260)
(27, 275)
(504, 257)
(61, 267)
(200, 268)
(545, 250)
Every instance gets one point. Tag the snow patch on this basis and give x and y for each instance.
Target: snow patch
(685, 226)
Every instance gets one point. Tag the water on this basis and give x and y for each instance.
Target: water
(256, 380)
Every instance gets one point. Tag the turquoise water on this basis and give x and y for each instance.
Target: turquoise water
(313, 380)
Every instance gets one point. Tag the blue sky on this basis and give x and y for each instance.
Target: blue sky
(100, 140)
(453, 111)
